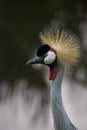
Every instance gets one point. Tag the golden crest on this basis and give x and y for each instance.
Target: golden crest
(65, 44)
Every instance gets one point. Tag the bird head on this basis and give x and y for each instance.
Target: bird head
(57, 46)
(44, 55)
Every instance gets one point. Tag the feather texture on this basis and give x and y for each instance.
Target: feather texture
(65, 44)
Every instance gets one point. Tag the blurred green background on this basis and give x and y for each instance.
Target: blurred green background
(20, 25)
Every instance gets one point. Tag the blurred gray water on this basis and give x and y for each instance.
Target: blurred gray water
(23, 109)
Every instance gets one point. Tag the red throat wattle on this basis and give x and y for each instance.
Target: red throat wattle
(52, 74)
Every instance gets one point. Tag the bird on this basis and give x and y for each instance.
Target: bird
(58, 48)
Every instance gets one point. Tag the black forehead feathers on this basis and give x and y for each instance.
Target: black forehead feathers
(42, 50)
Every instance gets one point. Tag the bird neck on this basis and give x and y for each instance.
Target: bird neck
(61, 120)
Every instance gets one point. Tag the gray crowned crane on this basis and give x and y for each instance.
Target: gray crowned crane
(58, 48)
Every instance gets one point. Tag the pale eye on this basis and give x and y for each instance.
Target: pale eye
(45, 54)
(50, 57)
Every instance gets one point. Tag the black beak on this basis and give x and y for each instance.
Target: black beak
(36, 60)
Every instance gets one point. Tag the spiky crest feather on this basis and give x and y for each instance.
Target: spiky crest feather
(64, 43)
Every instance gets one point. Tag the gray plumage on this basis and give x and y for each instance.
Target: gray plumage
(61, 120)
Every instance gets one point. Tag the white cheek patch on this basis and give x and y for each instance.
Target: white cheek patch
(50, 58)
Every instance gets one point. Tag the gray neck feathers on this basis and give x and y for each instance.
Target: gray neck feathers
(61, 120)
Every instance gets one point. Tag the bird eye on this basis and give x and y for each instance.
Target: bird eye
(42, 51)
(45, 54)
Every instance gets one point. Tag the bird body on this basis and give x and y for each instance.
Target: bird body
(61, 120)
(58, 48)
